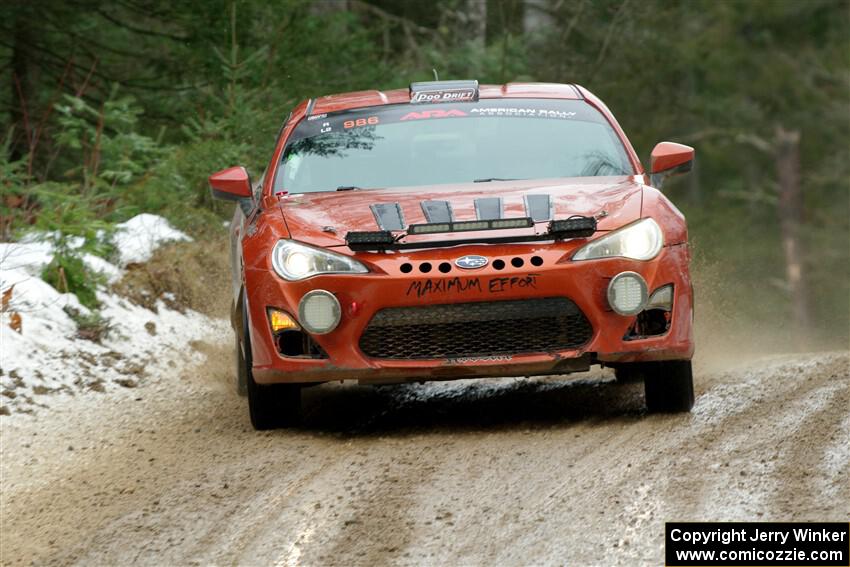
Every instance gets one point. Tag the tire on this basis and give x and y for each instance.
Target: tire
(669, 386)
(628, 373)
(271, 406)
(241, 369)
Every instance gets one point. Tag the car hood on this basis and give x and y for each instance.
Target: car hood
(323, 219)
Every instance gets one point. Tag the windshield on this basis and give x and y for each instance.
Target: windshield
(428, 144)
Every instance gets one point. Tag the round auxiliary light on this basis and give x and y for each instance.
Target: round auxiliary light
(627, 293)
(319, 312)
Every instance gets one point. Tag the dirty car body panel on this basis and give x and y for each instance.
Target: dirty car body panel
(389, 209)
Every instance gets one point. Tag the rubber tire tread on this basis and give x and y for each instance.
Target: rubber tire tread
(270, 406)
(669, 386)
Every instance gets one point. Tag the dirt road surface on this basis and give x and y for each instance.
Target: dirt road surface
(503, 472)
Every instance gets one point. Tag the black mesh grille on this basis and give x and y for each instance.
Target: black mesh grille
(476, 329)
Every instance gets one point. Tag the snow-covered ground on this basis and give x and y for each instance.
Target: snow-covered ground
(45, 361)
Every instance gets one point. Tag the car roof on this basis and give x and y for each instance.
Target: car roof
(361, 99)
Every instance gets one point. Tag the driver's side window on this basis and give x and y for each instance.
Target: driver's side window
(258, 186)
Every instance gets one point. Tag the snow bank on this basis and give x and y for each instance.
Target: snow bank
(48, 357)
(137, 238)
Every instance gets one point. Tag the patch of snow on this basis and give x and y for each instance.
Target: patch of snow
(97, 264)
(137, 238)
(48, 363)
(72, 242)
(41, 307)
(30, 257)
(49, 357)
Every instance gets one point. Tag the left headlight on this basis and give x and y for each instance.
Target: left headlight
(641, 240)
(294, 261)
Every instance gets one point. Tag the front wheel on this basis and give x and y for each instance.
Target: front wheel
(628, 373)
(241, 369)
(270, 406)
(273, 406)
(668, 386)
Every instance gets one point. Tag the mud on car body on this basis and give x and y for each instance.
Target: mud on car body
(454, 231)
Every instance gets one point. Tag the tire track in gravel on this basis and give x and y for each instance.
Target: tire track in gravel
(756, 413)
(543, 471)
(380, 508)
(801, 463)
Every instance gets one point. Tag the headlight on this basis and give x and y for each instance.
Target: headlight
(293, 261)
(641, 240)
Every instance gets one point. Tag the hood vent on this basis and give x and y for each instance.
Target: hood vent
(437, 211)
(488, 208)
(388, 216)
(538, 207)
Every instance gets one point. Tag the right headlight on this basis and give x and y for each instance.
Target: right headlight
(294, 261)
(641, 240)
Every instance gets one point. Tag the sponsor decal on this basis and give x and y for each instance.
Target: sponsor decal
(371, 121)
(454, 95)
(432, 114)
(471, 359)
(471, 262)
(316, 117)
(522, 112)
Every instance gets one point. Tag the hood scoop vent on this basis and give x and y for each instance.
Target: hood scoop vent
(388, 216)
(488, 208)
(437, 211)
(538, 207)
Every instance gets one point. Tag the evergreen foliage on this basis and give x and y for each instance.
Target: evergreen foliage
(109, 109)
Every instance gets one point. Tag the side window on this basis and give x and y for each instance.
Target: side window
(258, 186)
(277, 182)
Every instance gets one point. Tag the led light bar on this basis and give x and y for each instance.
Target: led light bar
(431, 228)
(573, 227)
(498, 224)
(375, 238)
(467, 226)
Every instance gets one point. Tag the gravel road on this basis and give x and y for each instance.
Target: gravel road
(501, 472)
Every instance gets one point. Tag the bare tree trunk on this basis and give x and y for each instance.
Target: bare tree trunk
(477, 11)
(504, 17)
(20, 83)
(536, 16)
(790, 218)
(322, 7)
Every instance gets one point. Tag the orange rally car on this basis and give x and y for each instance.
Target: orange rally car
(451, 230)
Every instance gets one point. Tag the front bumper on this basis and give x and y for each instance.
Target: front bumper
(362, 296)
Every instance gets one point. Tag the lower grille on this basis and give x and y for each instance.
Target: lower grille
(476, 329)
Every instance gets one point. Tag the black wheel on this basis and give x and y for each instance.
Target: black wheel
(241, 369)
(669, 386)
(270, 405)
(628, 373)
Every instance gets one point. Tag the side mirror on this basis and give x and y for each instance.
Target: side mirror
(231, 184)
(669, 158)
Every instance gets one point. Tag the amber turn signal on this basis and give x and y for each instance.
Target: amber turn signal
(281, 321)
